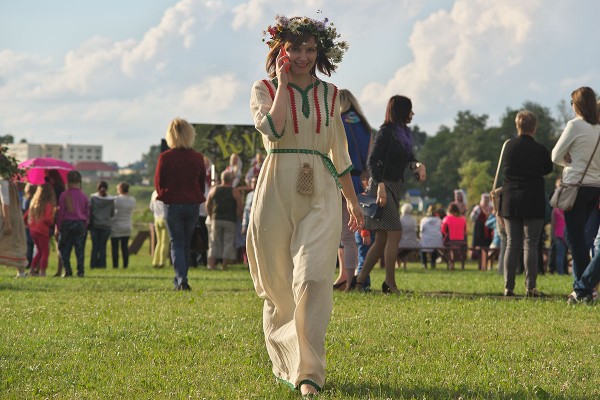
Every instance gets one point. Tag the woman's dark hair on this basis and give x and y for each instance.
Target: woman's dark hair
(124, 186)
(585, 103)
(398, 110)
(57, 179)
(323, 64)
(453, 209)
(74, 177)
(102, 185)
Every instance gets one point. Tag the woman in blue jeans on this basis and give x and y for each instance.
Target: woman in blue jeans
(179, 182)
(573, 151)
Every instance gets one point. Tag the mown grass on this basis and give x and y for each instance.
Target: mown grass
(126, 334)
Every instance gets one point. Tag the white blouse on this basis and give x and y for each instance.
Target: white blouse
(578, 140)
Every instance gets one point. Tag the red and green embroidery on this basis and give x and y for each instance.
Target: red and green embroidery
(294, 114)
(318, 108)
(305, 103)
(335, 92)
(272, 126)
(271, 92)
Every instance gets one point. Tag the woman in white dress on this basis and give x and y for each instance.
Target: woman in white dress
(295, 222)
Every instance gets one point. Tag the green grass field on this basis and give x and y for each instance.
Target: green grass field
(125, 334)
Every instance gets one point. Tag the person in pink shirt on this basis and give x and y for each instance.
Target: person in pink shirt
(454, 230)
(71, 222)
(40, 218)
(558, 240)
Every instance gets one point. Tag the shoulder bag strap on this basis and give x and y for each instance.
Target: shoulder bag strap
(589, 162)
(499, 165)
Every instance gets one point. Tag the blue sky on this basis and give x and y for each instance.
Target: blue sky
(115, 72)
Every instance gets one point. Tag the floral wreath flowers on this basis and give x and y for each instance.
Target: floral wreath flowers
(325, 34)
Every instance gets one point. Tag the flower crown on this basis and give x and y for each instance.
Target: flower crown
(326, 35)
(9, 166)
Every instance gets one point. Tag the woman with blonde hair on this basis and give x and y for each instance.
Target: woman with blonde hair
(522, 204)
(179, 183)
(235, 167)
(574, 150)
(358, 135)
(40, 218)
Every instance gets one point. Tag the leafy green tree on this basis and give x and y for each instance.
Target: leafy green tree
(150, 159)
(419, 138)
(475, 179)
(7, 139)
(449, 149)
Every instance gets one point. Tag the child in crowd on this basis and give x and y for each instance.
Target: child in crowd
(71, 222)
(122, 225)
(40, 219)
(28, 193)
(454, 230)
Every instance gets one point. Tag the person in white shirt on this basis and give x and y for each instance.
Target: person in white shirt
(573, 151)
(431, 236)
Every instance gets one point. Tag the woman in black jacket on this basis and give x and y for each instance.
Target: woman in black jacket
(523, 204)
(391, 154)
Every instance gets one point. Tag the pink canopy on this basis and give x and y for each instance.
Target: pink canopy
(36, 169)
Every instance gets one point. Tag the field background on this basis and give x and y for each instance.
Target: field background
(451, 335)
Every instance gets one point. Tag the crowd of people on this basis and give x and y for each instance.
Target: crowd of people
(297, 209)
(35, 214)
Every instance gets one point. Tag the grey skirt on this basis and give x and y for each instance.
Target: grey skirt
(389, 219)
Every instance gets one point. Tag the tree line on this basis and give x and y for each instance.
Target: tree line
(463, 156)
(466, 155)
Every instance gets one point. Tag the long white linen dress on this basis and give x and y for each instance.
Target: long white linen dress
(293, 238)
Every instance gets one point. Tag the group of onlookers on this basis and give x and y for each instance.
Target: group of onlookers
(51, 209)
(65, 213)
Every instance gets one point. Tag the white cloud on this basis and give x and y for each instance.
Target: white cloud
(178, 28)
(248, 14)
(458, 56)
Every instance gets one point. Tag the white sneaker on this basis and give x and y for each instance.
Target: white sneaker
(21, 275)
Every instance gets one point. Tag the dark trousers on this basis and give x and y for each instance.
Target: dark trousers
(114, 245)
(99, 239)
(30, 246)
(72, 235)
(575, 220)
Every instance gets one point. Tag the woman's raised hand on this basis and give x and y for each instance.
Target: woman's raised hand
(283, 66)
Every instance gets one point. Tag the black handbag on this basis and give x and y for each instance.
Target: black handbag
(368, 205)
(368, 202)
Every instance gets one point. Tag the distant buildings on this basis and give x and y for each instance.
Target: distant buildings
(71, 153)
(87, 159)
(94, 171)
